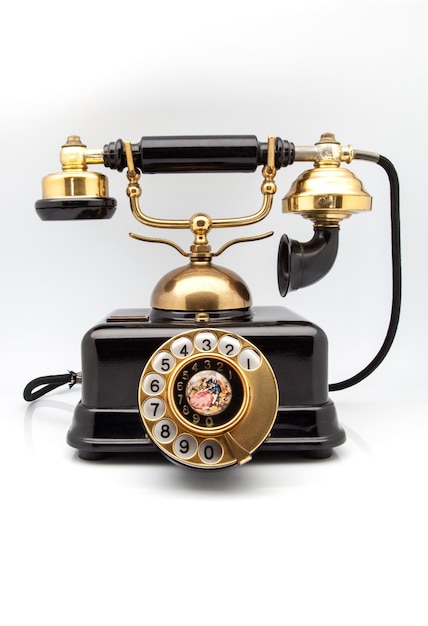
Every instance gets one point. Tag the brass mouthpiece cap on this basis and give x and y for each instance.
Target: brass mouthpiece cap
(326, 195)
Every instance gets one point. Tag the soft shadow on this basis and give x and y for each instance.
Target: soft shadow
(65, 409)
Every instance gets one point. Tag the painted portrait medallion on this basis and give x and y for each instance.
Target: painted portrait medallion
(208, 392)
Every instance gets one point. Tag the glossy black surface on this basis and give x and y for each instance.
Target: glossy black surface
(162, 316)
(114, 354)
(301, 264)
(205, 153)
(75, 209)
(311, 431)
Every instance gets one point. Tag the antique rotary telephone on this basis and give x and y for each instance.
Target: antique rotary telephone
(202, 375)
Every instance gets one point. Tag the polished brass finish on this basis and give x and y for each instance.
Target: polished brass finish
(214, 431)
(328, 193)
(75, 181)
(202, 318)
(220, 251)
(248, 428)
(241, 454)
(201, 286)
(75, 184)
(75, 155)
(268, 189)
(167, 242)
(72, 155)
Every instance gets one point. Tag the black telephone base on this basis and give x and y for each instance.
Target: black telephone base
(311, 431)
(115, 352)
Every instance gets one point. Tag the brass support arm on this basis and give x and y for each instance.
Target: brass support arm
(268, 190)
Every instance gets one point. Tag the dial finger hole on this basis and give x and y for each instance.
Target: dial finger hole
(182, 347)
(205, 342)
(210, 451)
(163, 362)
(153, 384)
(249, 359)
(153, 408)
(185, 446)
(229, 346)
(165, 431)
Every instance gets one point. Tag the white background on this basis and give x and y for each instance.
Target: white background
(341, 541)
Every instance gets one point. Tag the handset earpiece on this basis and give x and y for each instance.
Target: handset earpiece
(76, 193)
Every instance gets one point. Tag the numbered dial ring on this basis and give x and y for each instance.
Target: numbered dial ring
(208, 398)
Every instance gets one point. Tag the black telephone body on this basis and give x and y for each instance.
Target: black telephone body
(202, 375)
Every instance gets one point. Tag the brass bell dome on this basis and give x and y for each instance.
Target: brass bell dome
(201, 286)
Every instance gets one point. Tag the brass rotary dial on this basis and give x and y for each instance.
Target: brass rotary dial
(208, 398)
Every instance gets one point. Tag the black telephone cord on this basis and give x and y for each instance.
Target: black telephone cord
(44, 384)
(396, 278)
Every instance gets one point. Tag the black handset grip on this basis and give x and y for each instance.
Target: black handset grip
(205, 153)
